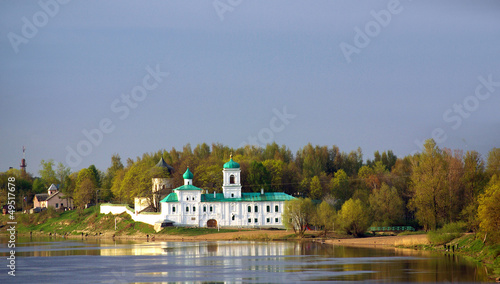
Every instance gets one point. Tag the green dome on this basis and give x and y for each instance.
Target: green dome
(231, 164)
(188, 174)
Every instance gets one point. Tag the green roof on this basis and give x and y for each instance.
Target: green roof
(188, 187)
(188, 174)
(231, 164)
(172, 197)
(245, 197)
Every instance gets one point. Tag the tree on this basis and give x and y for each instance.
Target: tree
(258, 176)
(47, 172)
(429, 186)
(202, 151)
(96, 174)
(275, 168)
(315, 188)
(116, 187)
(474, 180)
(39, 186)
(454, 198)
(339, 186)
(386, 205)
(85, 187)
(209, 177)
(353, 217)
(62, 173)
(493, 167)
(489, 210)
(86, 191)
(297, 214)
(116, 165)
(325, 217)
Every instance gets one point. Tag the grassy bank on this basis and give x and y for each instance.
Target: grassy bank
(90, 222)
(451, 239)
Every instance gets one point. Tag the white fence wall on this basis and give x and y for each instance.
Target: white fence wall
(115, 209)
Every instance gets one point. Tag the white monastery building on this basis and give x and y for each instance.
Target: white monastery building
(188, 206)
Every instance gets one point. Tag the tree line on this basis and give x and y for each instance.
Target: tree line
(427, 190)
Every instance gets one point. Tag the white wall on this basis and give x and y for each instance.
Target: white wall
(115, 209)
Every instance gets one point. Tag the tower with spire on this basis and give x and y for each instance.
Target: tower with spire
(23, 162)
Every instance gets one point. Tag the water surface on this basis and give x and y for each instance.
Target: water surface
(108, 261)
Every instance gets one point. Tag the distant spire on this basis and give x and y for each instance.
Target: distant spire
(23, 161)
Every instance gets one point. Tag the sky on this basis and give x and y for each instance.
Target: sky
(83, 80)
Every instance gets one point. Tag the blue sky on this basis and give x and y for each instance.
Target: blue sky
(234, 67)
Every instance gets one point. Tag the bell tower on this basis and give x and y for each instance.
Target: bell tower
(231, 185)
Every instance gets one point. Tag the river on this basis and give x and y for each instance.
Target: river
(107, 261)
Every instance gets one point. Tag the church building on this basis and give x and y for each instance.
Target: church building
(187, 205)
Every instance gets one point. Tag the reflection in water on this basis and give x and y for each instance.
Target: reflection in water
(107, 261)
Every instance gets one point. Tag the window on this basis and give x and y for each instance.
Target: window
(231, 179)
(187, 198)
(276, 220)
(256, 209)
(268, 220)
(276, 208)
(249, 208)
(268, 208)
(232, 194)
(211, 208)
(188, 183)
(256, 220)
(249, 220)
(187, 208)
(193, 198)
(194, 208)
(173, 209)
(232, 217)
(204, 208)
(57, 205)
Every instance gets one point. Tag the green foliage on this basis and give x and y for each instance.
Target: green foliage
(489, 210)
(429, 186)
(258, 177)
(325, 216)
(493, 166)
(315, 188)
(386, 205)
(354, 217)
(447, 233)
(85, 193)
(297, 214)
(339, 186)
(47, 172)
(209, 177)
(435, 187)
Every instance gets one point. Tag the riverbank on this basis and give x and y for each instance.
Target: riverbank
(382, 241)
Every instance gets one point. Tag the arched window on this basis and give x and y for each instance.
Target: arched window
(231, 179)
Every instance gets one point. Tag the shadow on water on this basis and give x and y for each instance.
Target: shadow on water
(123, 261)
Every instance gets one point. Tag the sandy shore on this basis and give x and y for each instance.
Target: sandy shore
(391, 241)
